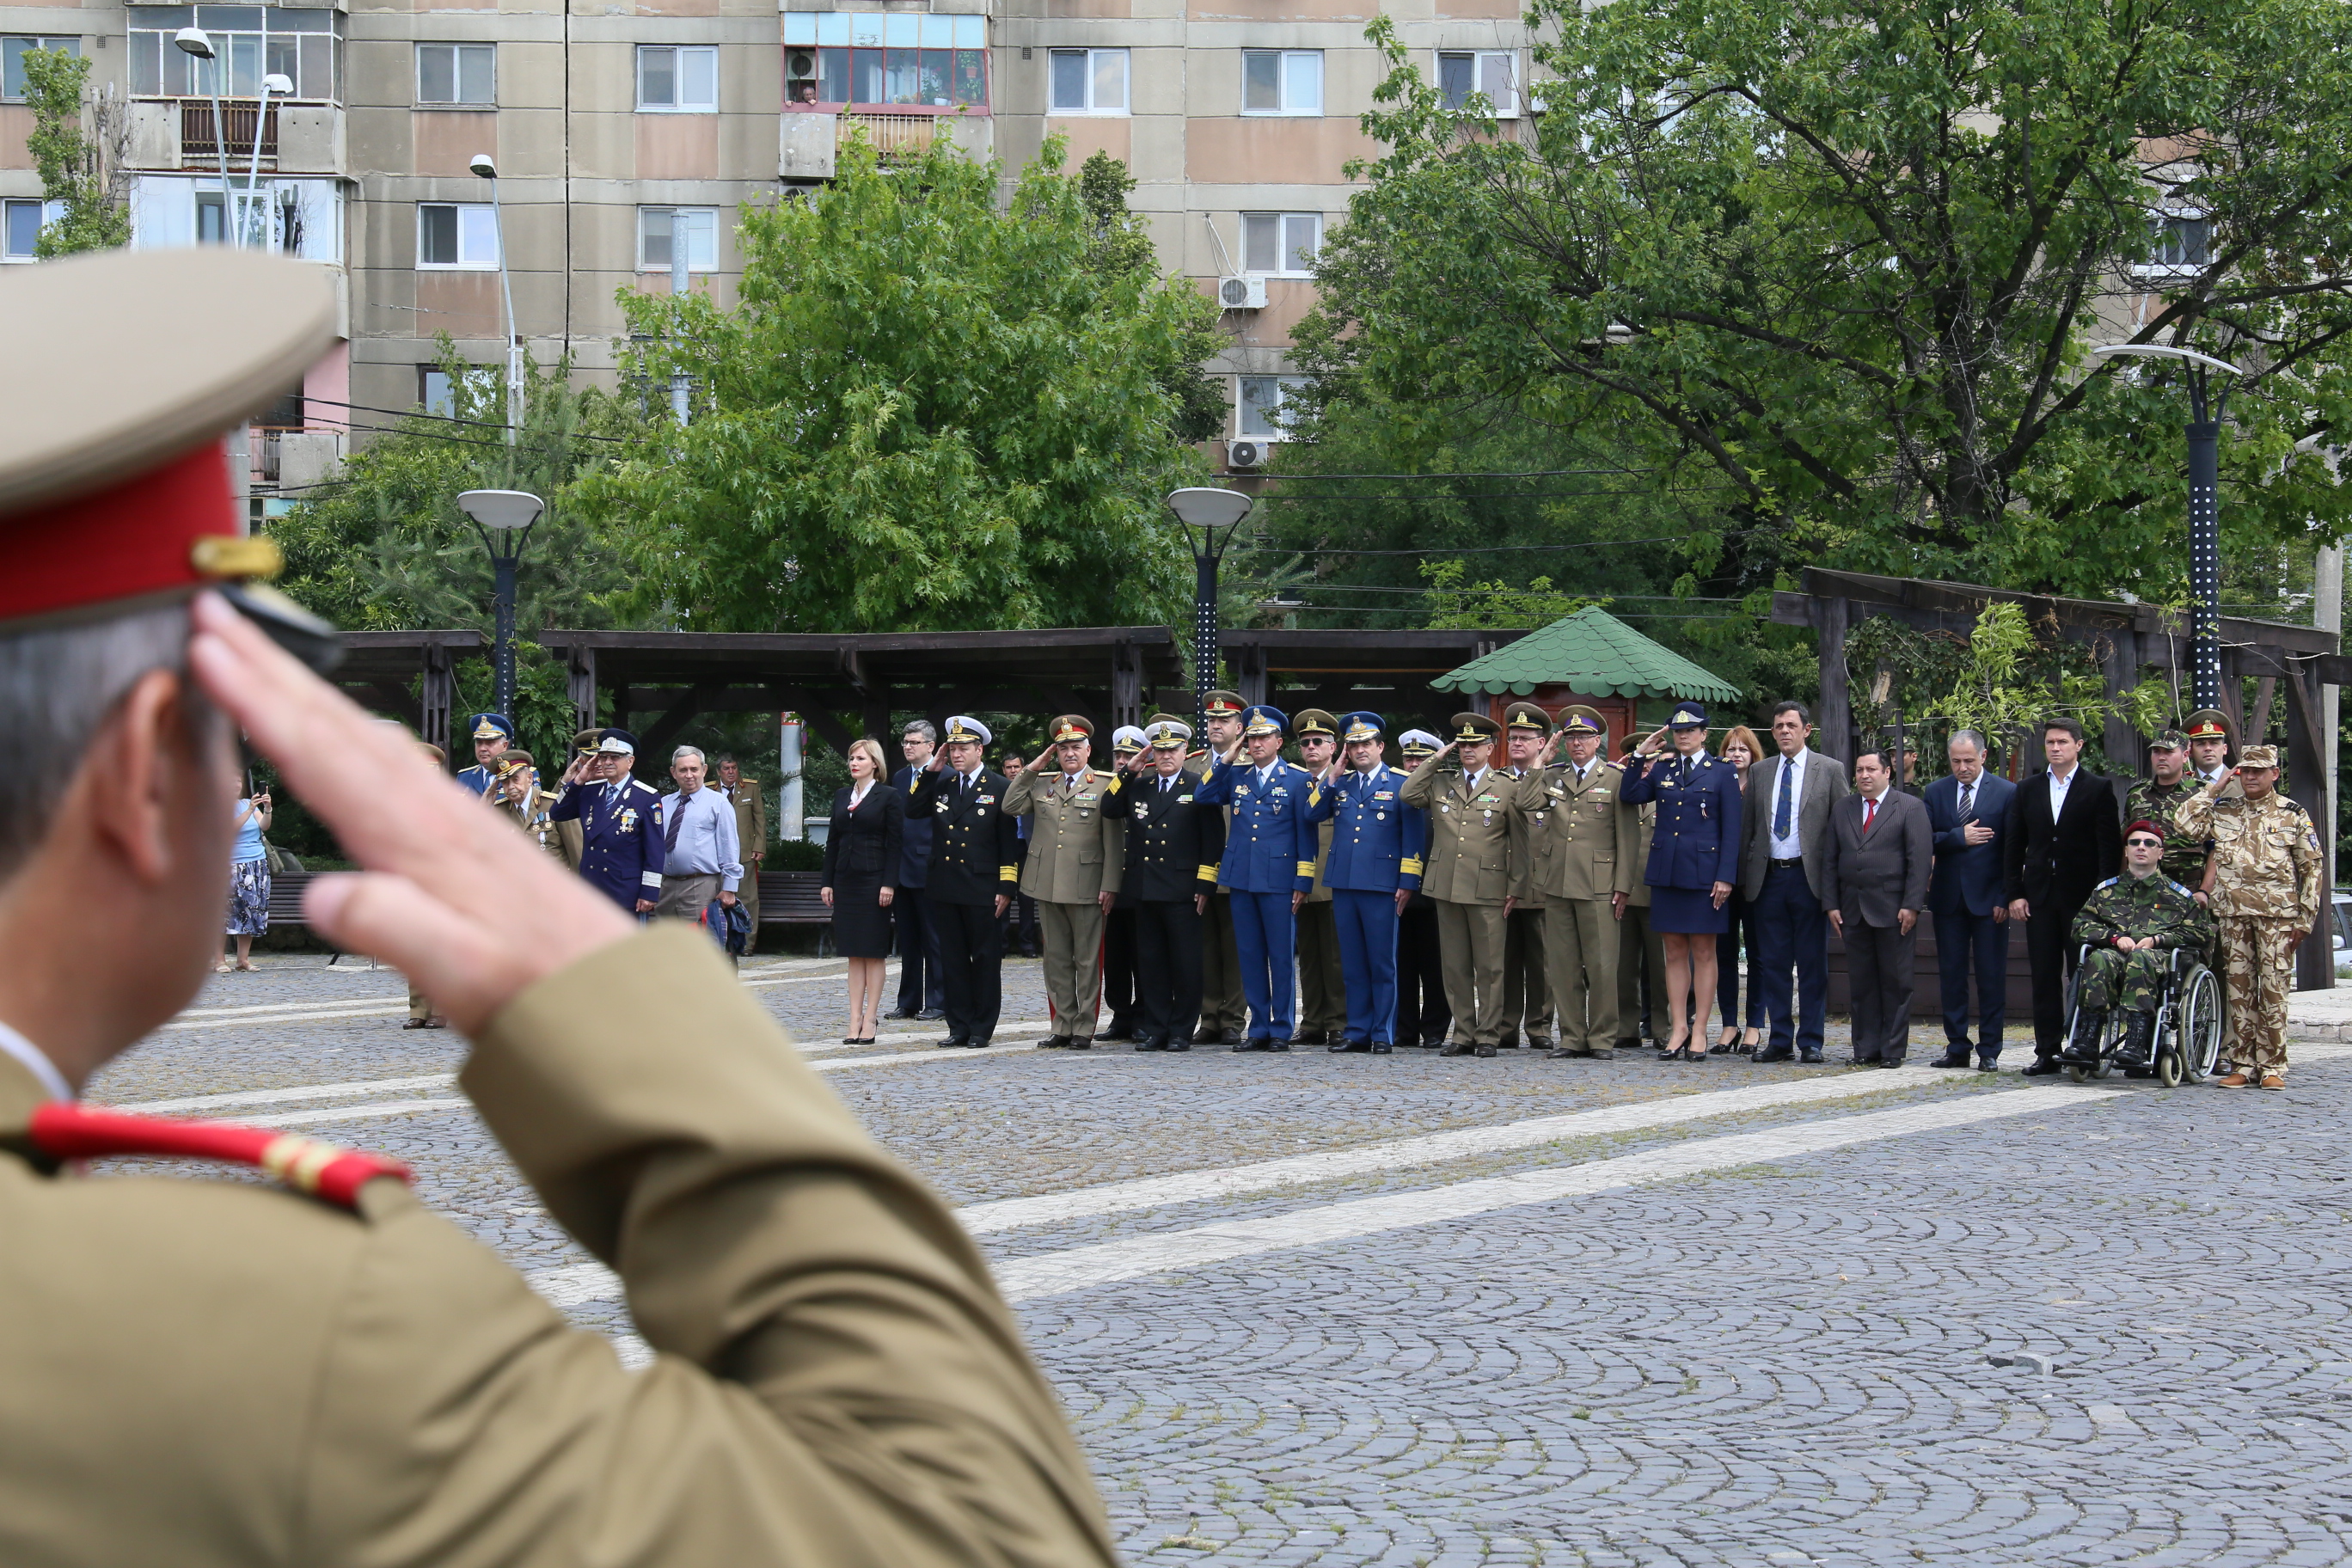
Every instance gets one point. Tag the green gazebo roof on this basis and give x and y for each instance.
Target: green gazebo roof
(1592, 652)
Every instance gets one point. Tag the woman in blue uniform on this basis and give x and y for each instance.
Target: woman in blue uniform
(1694, 862)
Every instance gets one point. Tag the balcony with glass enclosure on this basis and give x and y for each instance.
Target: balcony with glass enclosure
(174, 123)
(902, 79)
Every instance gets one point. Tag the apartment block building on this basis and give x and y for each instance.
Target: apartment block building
(619, 131)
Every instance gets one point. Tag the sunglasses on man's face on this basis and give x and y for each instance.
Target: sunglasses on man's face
(2143, 842)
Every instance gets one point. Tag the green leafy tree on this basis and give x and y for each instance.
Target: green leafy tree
(77, 143)
(929, 409)
(1848, 259)
(1122, 250)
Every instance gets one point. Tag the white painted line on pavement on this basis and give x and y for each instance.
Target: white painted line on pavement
(276, 1096)
(366, 1112)
(1081, 1268)
(279, 1007)
(378, 1010)
(1187, 1186)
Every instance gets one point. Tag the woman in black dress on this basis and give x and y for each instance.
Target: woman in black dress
(861, 863)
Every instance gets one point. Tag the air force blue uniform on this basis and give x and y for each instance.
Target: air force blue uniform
(1375, 845)
(1269, 855)
(621, 837)
(487, 727)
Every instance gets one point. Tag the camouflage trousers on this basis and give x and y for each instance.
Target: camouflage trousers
(2138, 978)
(2258, 970)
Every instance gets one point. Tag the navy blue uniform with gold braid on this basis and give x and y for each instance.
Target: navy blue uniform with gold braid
(1696, 841)
(975, 858)
(1269, 855)
(621, 848)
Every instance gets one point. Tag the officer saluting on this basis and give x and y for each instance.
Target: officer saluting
(1269, 865)
(1224, 1012)
(621, 846)
(1322, 983)
(1526, 999)
(1076, 855)
(1591, 839)
(1175, 841)
(1467, 873)
(1374, 867)
(338, 1374)
(493, 735)
(975, 862)
(1423, 1018)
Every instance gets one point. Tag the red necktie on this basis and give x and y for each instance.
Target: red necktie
(1869, 814)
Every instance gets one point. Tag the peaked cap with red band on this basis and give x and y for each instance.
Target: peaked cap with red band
(325, 1171)
(113, 486)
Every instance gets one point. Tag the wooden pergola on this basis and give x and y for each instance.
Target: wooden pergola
(378, 667)
(1105, 672)
(2124, 638)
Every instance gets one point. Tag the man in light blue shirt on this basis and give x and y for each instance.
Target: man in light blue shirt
(699, 854)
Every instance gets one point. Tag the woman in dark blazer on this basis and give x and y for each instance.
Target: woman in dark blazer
(1694, 862)
(861, 870)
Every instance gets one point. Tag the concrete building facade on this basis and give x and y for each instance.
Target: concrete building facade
(619, 129)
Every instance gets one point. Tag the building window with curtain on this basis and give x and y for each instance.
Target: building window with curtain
(842, 60)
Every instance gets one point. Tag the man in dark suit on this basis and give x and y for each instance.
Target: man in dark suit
(2064, 837)
(975, 863)
(1965, 812)
(922, 989)
(1875, 882)
(1785, 827)
(1173, 847)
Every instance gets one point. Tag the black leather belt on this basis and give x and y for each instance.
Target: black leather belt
(1792, 860)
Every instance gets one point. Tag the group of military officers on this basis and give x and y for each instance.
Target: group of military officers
(1238, 896)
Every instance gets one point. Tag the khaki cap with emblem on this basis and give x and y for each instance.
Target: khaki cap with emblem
(1222, 705)
(1315, 721)
(1071, 727)
(1577, 720)
(2207, 724)
(114, 487)
(1527, 716)
(1470, 729)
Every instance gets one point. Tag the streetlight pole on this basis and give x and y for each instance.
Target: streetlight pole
(283, 86)
(486, 169)
(198, 44)
(1210, 515)
(504, 519)
(2204, 508)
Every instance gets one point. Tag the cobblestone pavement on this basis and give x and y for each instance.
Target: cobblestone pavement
(1353, 1310)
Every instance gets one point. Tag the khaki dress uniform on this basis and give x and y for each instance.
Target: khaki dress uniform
(1074, 853)
(1322, 983)
(1593, 841)
(750, 839)
(1466, 874)
(2265, 892)
(1527, 993)
(222, 1375)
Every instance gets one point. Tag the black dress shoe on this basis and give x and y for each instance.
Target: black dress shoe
(1432, 1043)
(1231, 1038)
(1453, 1049)
(1509, 1042)
(950, 1043)
(1120, 1029)
(1310, 1036)
(1336, 1046)
(1150, 1043)
(1079, 1043)
(1179, 1043)
(1240, 1045)
(1890, 1062)
(2044, 1067)
(1485, 1050)
(932, 1015)
(1775, 1054)
(1539, 1042)
(1949, 1060)
(1379, 1048)
(1811, 1056)
(1633, 1045)
(1275, 1046)
(1054, 1043)
(978, 1043)
(1988, 1063)
(900, 1013)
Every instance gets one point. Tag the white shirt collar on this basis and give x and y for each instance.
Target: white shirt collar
(37, 1063)
(2061, 781)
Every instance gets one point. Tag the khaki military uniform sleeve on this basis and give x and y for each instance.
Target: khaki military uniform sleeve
(2194, 815)
(1020, 793)
(1114, 835)
(2306, 853)
(838, 1381)
(1630, 869)
(1420, 785)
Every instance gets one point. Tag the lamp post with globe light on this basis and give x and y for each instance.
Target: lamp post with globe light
(486, 168)
(197, 44)
(2204, 508)
(504, 519)
(1209, 515)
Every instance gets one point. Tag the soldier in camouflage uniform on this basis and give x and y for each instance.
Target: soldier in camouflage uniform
(2157, 800)
(2266, 895)
(2133, 924)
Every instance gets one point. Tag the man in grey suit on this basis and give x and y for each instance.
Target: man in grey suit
(1880, 856)
(1786, 826)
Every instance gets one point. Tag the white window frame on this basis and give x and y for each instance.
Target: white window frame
(50, 212)
(485, 225)
(36, 41)
(702, 235)
(1284, 247)
(457, 76)
(1506, 106)
(1092, 76)
(1281, 385)
(1284, 61)
(679, 54)
(2165, 217)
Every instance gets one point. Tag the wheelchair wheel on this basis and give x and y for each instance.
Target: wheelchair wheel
(2201, 1024)
(2167, 1066)
(2079, 1071)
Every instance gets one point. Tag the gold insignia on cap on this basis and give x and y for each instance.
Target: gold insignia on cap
(1363, 729)
(1687, 717)
(221, 555)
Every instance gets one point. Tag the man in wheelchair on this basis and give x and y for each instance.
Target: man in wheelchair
(2131, 927)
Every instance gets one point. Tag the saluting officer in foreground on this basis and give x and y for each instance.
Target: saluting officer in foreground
(227, 1374)
(1127, 749)
(975, 863)
(1589, 839)
(1174, 842)
(1526, 999)
(1269, 865)
(1423, 1018)
(1467, 872)
(494, 736)
(621, 848)
(1375, 868)
(1075, 856)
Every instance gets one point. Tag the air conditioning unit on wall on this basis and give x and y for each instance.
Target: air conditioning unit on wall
(1241, 292)
(1250, 452)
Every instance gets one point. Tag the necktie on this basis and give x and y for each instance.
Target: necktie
(1869, 814)
(1682, 770)
(677, 821)
(1781, 803)
(1968, 801)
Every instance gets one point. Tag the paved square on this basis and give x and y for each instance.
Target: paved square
(1354, 1309)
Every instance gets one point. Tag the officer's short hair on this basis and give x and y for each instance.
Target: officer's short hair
(1882, 753)
(2062, 723)
(923, 727)
(57, 685)
(694, 752)
(1789, 705)
(1973, 737)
